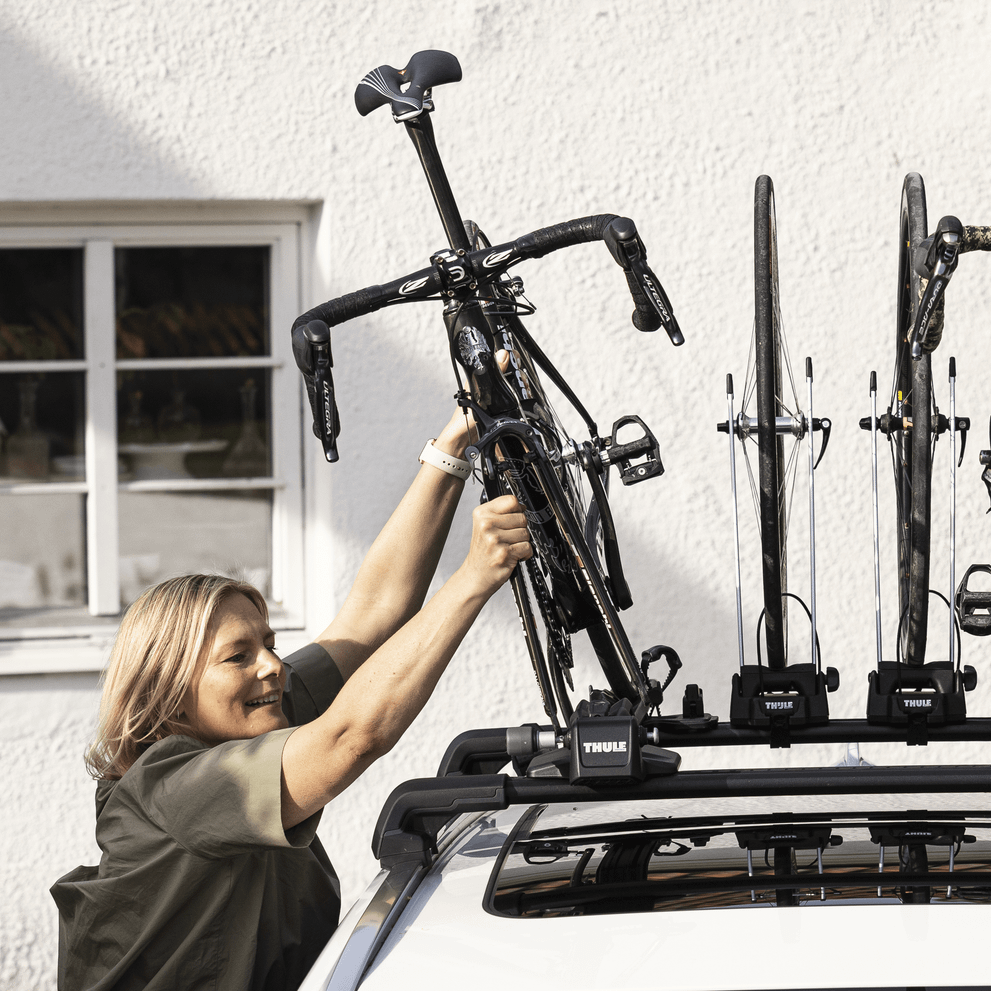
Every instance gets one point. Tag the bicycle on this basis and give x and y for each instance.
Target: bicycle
(575, 580)
(913, 423)
(776, 695)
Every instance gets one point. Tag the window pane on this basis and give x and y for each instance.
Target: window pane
(42, 427)
(41, 303)
(192, 302)
(173, 533)
(42, 560)
(201, 423)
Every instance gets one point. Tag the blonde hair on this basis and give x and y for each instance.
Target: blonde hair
(151, 666)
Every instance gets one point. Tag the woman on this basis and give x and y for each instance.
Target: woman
(215, 759)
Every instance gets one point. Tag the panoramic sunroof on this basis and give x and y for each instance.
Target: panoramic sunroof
(748, 861)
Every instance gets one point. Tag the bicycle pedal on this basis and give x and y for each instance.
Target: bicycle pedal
(636, 460)
(974, 605)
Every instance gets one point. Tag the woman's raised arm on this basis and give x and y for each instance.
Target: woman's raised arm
(393, 579)
(383, 696)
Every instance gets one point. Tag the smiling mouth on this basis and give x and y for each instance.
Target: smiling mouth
(271, 699)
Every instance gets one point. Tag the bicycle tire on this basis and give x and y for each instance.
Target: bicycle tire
(912, 449)
(771, 450)
(582, 597)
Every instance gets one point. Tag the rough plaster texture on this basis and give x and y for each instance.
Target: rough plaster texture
(666, 112)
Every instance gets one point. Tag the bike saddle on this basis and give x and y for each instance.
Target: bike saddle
(386, 85)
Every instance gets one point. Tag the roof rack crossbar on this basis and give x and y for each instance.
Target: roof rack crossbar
(417, 810)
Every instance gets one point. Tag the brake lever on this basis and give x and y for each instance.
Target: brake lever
(630, 254)
(936, 259)
(326, 421)
(651, 287)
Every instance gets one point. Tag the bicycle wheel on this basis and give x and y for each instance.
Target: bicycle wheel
(576, 578)
(773, 467)
(911, 447)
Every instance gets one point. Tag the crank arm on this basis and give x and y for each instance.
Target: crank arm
(986, 474)
(614, 563)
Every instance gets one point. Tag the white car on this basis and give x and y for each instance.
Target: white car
(681, 880)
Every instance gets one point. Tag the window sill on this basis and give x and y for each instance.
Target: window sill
(74, 653)
(55, 656)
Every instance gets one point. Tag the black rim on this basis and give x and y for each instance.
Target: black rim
(911, 449)
(770, 444)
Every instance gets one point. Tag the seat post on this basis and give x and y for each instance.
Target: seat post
(421, 132)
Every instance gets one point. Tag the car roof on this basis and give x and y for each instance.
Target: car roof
(448, 936)
(483, 880)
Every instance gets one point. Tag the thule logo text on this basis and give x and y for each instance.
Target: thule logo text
(605, 747)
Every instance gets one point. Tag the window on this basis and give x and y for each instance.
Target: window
(149, 419)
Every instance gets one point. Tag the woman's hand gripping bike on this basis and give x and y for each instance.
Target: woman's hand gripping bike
(575, 580)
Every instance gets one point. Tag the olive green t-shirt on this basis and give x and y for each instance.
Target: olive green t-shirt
(199, 886)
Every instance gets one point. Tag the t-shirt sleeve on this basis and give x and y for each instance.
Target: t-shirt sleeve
(218, 801)
(312, 684)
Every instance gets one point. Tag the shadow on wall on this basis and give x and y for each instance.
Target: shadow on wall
(55, 127)
(689, 610)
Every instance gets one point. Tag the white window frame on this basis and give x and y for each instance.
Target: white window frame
(278, 226)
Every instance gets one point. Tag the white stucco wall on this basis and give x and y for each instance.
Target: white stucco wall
(665, 112)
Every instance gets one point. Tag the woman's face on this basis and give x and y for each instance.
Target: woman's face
(236, 693)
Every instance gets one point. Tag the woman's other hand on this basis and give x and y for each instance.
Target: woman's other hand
(499, 541)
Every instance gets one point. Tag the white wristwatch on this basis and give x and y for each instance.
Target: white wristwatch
(446, 462)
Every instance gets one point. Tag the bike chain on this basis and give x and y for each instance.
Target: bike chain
(557, 640)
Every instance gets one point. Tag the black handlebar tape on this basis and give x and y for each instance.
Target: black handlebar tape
(354, 304)
(548, 239)
(385, 84)
(417, 285)
(976, 239)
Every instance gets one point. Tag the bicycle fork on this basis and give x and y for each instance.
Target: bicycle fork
(931, 693)
(800, 426)
(796, 694)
